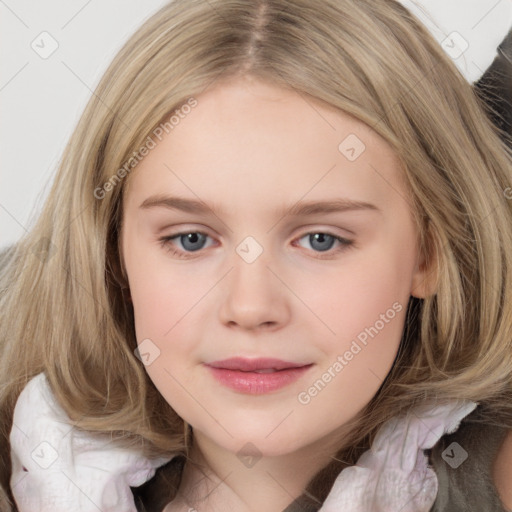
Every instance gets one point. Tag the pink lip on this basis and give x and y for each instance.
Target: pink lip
(240, 374)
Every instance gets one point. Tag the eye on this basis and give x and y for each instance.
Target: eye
(323, 242)
(182, 243)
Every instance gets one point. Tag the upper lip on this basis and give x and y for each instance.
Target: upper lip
(247, 365)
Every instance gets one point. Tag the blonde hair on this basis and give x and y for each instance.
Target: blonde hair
(64, 291)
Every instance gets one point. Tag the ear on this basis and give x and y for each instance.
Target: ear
(425, 278)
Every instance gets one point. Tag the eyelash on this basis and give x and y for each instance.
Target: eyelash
(166, 243)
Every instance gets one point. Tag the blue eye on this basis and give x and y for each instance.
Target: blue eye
(190, 242)
(323, 242)
(183, 245)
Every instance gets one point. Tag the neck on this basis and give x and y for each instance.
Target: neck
(216, 479)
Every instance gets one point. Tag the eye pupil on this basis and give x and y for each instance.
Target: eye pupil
(321, 241)
(193, 241)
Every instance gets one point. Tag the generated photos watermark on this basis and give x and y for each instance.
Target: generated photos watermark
(150, 143)
(356, 346)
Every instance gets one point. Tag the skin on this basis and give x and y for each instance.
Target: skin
(502, 472)
(251, 151)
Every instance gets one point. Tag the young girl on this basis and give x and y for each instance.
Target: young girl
(274, 272)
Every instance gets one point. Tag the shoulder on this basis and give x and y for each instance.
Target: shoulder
(502, 471)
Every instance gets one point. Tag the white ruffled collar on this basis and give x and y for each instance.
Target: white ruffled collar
(58, 468)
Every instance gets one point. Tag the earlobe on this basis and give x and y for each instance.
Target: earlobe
(424, 282)
(425, 279)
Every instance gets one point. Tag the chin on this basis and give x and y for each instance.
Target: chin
(264, 441)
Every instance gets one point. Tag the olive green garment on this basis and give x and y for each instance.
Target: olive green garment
(463, 464)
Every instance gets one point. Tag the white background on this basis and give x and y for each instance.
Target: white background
(41, 99)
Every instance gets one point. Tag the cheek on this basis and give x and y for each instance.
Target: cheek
(163, 306)
(164, 294)
(366, 308)
(167, 301)
(370, 289)
(364, 305)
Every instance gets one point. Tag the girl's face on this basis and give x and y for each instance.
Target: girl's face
(265, 224)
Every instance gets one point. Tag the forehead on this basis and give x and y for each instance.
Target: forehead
(247, 139)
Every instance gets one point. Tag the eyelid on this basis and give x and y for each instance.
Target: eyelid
(344, 243)
(324, 228)
(166, 242)
(305, 230)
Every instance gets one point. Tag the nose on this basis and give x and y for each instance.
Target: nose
(253, 298)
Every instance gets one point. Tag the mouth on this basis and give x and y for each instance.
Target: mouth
(256, 376)
(263, 364)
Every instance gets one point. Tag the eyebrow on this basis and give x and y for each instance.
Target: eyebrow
(301, 208)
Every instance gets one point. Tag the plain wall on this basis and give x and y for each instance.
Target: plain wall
(42, 96)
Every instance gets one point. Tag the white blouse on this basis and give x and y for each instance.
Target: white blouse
(58, 468)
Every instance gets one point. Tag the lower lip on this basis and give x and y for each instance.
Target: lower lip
(257, 383)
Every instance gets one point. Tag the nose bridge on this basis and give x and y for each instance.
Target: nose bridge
(250, 273)
(253, 296)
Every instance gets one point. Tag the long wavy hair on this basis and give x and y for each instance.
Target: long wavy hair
(64, 294)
